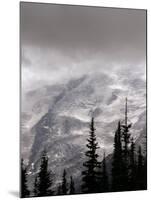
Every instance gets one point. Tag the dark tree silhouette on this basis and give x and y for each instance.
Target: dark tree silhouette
(125, 128)
(64, 183)
(117, 160)
(43, 180)
(72, 188)
(125, 132)
(104, 179)
(123, 164)
(35, 190)
(141, 182)
(144, 178)
(59, 190)
(132, 171)
(90, 175)
(24, 188)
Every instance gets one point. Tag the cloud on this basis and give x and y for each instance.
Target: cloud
(79, 27)
(62, 42)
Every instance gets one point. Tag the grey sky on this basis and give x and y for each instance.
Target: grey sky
(59, 42)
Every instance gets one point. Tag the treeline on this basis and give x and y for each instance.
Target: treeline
(128, 168)
(43, 181)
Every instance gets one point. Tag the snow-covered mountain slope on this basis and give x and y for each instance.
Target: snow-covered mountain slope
(58, 119)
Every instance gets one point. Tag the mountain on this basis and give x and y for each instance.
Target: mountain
(56, 118)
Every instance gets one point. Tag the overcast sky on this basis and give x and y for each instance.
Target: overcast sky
(60, 42)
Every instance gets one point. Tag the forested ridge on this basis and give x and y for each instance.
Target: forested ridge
(128, 167)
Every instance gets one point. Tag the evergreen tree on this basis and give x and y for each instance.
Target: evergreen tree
(125, 132)
(141, 181)
(125, 152)
(90, 175)
(64, 183)
(43, 180)
(105, 184)
(72, 188)
(36, 192)
(24, 188)
(145, 174)
(59, 190)
(117, 161)
(145, 165)
(132, 176)
(140, 159)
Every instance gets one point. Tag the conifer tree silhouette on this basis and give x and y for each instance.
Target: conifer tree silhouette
(125, 132)
(24, 188)
(59, 190)
(144, 178)
(125, 151)
(72, 188)
(90, 175)
(104, 179)
(141, 182)
(35, 190)
(64, 183)
(43, 180)
(132, 171)
(117, 160)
